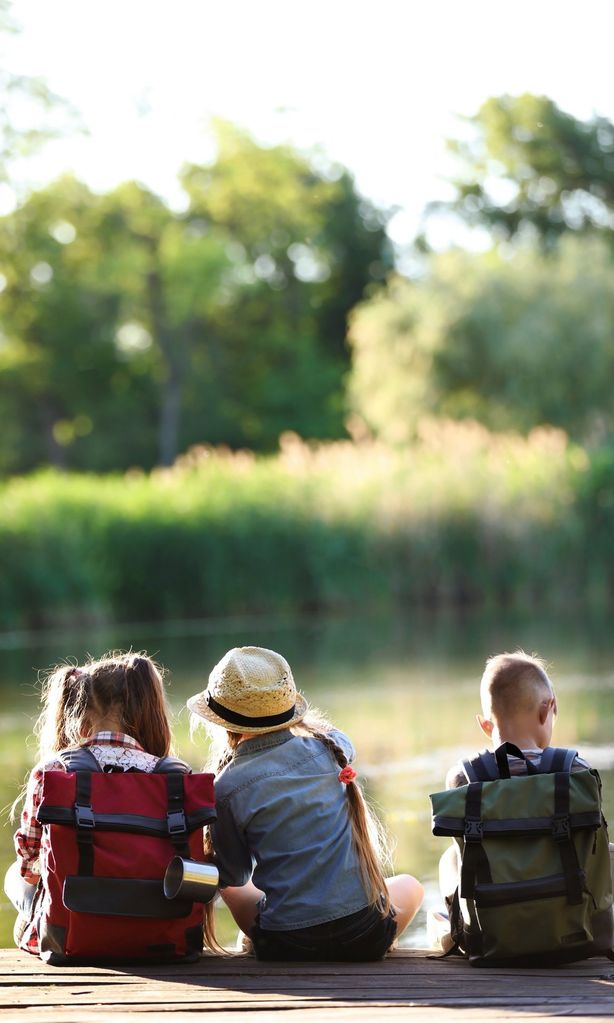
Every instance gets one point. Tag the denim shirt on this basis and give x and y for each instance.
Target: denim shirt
(283, 821)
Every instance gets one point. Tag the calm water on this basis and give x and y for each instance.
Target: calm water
(405, 691)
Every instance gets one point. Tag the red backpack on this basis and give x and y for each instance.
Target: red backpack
(111, 837)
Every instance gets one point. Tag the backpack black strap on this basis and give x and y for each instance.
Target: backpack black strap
(509, 749)
(475, 865)
(80, 759)
(481, 768)
(175, 769)
(561, 832)
(83, 762)
(554, 759)
(84, 822)
(171, 765)
(177, 825)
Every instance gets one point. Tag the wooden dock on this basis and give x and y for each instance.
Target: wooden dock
(407, 985)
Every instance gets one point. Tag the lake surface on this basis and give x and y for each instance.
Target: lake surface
(406, 691)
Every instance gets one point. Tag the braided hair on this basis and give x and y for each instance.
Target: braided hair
(368, 834)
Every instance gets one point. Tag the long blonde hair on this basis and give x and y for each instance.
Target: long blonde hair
(367, 831)
(368, 834)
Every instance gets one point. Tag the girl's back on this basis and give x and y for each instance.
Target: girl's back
(280, 801)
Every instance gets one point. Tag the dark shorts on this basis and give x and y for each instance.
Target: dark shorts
(358, 938)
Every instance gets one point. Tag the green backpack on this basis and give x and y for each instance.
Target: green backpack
(535, 885)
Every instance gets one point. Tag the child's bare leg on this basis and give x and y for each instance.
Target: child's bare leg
(438, 921)
(243, 903)
(406, 894)
(19, 891)
(449, 871)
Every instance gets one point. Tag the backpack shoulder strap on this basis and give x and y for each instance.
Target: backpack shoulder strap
(171, 765)
(80, 759)
(554, 760)
(481, 768)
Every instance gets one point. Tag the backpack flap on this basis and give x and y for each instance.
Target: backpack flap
(126, 802)
(518, 806)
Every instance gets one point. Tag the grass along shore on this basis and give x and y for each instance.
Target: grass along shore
(462, 516)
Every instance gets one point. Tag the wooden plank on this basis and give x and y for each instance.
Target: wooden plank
(406, 985)
(332, 1014)
(428, 984)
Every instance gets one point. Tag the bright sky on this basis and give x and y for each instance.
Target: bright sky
(375, 83)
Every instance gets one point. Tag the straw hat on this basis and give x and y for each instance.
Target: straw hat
(250, 690)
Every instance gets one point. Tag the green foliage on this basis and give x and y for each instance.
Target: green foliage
(131, 332)
(305, 246)
(526, 162)
(513, 342)
(462, 516)
(57, 324)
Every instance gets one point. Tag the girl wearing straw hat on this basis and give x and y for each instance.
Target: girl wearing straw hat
(298, 852)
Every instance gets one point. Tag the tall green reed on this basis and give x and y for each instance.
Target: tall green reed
(461, 516)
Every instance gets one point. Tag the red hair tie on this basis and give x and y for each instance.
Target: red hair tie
(347, 774)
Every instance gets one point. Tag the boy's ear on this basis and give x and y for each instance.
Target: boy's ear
(486, 725)
(545, 708)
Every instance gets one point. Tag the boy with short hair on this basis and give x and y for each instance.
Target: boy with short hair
(519, 707)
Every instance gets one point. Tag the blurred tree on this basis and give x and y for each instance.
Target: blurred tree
(131, 331)
(103, 300)
(305, 247)
(527, 162)
(57, 352)
(170, 277)
(514, 343)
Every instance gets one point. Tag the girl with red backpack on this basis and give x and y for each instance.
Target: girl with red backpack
(295, 845)
(108, 717)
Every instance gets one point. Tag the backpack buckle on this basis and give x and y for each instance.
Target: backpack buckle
(84, 816)
(560, 828)
(176, 822)
(474, 829)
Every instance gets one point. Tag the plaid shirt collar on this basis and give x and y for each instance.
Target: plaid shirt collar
(113, 739)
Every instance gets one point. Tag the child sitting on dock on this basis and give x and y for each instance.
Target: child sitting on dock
(116, 708)
(518, 707)
(294, 842)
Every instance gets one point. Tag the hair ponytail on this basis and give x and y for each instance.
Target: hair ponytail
(369, 839)
(144, 711)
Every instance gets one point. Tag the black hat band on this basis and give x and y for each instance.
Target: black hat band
(242, 719)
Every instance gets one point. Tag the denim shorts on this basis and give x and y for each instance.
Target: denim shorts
(361, 937)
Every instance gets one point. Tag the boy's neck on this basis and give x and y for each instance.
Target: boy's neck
(522, 739)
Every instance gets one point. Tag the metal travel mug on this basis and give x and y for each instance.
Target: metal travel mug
(191, 880)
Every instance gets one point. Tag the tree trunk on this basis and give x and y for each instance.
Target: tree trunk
(174, 357)
(56, 453)
(170, 414)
